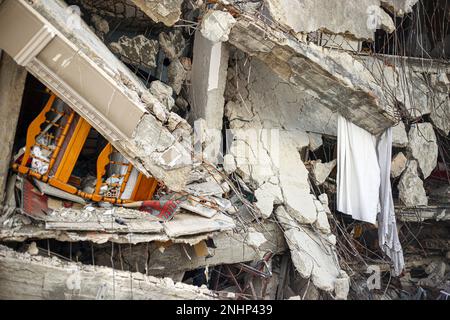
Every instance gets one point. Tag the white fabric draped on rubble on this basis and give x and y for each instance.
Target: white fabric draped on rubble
(364, 186)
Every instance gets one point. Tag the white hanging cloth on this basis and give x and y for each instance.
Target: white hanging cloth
(387, 225)
(364, 185)
(358, 172)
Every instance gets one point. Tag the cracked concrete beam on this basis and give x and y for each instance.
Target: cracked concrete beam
(64, 54)
(23, 276)
(341, 82)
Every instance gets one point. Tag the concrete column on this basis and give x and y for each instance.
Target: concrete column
(12, 83)
(209, 77)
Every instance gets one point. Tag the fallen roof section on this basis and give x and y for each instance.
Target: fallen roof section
(23, 276)
(67, 57)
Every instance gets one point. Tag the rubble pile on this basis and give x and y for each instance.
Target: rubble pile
(189, 150)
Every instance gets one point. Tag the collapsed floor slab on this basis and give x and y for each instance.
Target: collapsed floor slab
(23, 276)
(336, 78)
(229, 247)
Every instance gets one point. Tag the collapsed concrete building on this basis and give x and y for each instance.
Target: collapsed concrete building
(194, 149)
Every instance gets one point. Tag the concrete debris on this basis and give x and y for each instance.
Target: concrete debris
(255, 239)
(32, 249)
(399, 136)
(322, 219)
(332, 16)
(398, 165)
(78, 282)
(216, 25)
(211, 188)
(411, 85)
(441, 117)
(399, 7)
(163, 93)
(171, 159)
(101, 26)
(423, 147)
(52, 191)
(117, 220)
(155, 106)
(436, 275)
(323, 198)
(267, 196)
(166, 11)
(429, 213)
(138, 50)
(173, 44)
(321, 171)
(342, 286)
(315, 141)
(177, 75)
(312, 257)
(182, 105)
(440, 113)
(380, 20)
(229, 164)
(176, 122)
(188, 224)
(199, 209)
(412, 192)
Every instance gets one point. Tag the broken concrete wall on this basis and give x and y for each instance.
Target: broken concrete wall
(63, 53)
(12, 83)
(266, 147)
(23, 276)
(358, 19)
